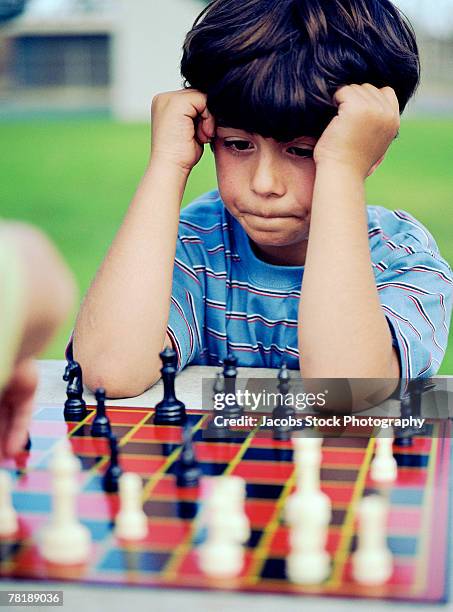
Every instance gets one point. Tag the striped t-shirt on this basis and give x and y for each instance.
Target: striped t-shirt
(225, 299)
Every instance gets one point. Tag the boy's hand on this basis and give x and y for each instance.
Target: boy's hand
(359, 135)
(181, 125)
(16, 406)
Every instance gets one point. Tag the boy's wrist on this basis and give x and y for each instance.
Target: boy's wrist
(333, 169)
(167, 168)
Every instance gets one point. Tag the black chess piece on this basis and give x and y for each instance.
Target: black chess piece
(74, 407)
(27, 446)
(187, 469)
(169, 411)
(411, 406)
(232, 409)
(100, 428)
(283, 413)
(114, 471)
(216, 427)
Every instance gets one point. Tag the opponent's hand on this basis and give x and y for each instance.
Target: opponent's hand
(16, 407)
(359, 135)
(181, 126)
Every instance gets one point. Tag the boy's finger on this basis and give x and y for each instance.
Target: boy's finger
(391, 97)
(375, 94)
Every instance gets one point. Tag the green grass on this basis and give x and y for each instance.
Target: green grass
(74, 179)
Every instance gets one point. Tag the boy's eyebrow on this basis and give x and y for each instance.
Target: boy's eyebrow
(306, 140)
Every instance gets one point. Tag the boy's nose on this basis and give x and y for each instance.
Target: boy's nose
(266, 179)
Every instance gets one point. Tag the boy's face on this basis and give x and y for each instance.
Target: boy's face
(268, 187)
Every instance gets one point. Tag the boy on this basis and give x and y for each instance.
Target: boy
(37, 292)
(299, 100)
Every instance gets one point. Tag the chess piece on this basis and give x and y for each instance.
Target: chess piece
(372, 562)
(187, 469)
(169, 411)
(131, 522)
(112, 475)
(384, 467)
(65, 540)
(100, 428)
(282, 413)
(232, 410)
(74, 406)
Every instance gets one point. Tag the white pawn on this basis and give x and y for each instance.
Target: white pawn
(64, 463)
(224, 508)
(65, 541)
(221, 558)
(131, 522)
(8, 518)
(384, 467)
(372, 562)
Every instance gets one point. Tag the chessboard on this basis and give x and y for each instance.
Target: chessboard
(418, 529)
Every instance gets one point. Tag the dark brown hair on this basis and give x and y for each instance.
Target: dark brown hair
(271, 67)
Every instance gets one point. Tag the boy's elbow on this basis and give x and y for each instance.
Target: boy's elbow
(118, 382)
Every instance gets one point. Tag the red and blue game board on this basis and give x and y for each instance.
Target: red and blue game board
(418, 522)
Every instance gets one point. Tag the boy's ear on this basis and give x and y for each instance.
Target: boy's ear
(374, 166)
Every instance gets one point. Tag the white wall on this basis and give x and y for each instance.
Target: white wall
(147, 48)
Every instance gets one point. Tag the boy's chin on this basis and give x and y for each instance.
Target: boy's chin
(276, 239)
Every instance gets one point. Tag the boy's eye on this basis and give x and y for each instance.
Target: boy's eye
(300, 152)
(237, 145)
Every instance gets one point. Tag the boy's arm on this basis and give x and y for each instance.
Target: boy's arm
(343, 332)
(121, 327)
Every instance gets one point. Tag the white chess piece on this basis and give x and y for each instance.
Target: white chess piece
(384, 467)
(65, 540)
(223, 515)
(308, 499)
(131, 522)
(308, 562)
(64, 462)
(372, 562)
(8, 518)
(219, 557)
(223, 510)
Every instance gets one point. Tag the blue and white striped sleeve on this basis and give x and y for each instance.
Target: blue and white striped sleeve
(186, 317)
(416, 294)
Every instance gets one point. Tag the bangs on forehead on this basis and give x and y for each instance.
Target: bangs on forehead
(265, 97)
(271, 67)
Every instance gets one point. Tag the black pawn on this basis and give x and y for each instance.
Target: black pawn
(27, 446)
(100, 427)
(169, 411)
(229, 375)
(283, 413)
(213, 430)
(75, 408)
(410, 406)
(187, 469)
(113, 472)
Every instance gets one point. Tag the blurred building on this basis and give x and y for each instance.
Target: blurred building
(93, 54)
(114, 55)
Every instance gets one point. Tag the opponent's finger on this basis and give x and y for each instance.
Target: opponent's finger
(19, 423)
